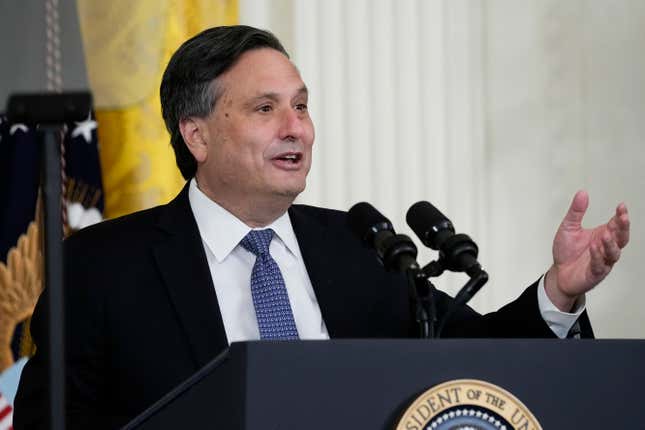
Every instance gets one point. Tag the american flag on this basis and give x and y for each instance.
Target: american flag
(19, 184)
(6, 414)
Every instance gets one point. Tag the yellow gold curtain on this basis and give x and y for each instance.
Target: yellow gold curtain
(127, 46)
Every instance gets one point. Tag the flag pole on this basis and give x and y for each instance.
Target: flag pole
(54, 272)
(50, 111)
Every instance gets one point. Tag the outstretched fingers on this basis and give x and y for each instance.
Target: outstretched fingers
(573, 218)
(611, 250)
(619, 225)
(597, 264)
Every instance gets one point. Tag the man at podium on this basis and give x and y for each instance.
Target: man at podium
(153, 296)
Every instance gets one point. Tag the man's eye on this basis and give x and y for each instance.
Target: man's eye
(265, 108)
(301, 107)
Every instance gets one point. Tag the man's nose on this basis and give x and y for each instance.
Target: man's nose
(291, 126)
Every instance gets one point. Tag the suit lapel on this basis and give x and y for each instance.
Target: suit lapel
(323, 256)
(183, 266)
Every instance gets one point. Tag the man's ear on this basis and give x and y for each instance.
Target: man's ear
(194, 132)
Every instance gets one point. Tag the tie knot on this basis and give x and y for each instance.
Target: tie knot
(258, 241)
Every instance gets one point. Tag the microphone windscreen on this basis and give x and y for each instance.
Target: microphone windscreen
(426, 220)
(365, 221)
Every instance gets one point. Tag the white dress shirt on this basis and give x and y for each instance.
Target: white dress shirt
(559, 322)
(231, 265)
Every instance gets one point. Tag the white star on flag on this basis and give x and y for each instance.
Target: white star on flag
(85, 128)
(17, 127)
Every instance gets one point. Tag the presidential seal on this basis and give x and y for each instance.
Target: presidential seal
(467, 404)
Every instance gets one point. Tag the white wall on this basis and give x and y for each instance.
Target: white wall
(496, 111)
(565, 109)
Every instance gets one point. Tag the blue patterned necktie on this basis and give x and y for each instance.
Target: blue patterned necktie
(270, 298)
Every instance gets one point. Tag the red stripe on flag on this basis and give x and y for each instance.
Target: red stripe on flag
(4, 412)
(6, 416)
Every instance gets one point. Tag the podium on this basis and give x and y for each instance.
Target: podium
(368, 384)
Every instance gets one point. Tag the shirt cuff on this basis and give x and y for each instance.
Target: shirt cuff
(559, 322)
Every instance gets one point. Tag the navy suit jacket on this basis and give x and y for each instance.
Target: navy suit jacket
(142, 313)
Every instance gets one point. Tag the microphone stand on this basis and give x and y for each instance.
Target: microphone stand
(478, 277)
(422, 293)
(398, 253)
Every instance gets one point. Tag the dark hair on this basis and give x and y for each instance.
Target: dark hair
(189, 84)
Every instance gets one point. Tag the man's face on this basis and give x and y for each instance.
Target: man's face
(259, 135)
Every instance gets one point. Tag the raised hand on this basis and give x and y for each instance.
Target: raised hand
(584, 257)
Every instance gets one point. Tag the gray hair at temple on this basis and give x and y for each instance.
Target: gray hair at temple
(189, 86)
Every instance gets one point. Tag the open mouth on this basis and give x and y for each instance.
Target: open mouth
(289, 157)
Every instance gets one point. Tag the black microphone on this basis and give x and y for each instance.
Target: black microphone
(395, 251)
(458, 252)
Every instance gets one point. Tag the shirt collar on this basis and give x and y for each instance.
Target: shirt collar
(222, 231)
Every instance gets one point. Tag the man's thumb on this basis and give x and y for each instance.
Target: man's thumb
(577, 210)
